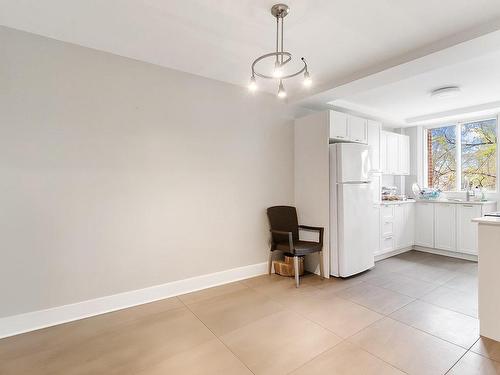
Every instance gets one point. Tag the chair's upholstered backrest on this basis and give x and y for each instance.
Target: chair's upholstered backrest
(283, 218)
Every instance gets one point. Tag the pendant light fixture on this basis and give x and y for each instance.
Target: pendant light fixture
(280, 56)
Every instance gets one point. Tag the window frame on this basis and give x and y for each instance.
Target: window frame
(458, 150)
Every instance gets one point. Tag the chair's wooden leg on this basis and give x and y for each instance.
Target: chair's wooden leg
(296, 265)
(321, 266)
(270, 265)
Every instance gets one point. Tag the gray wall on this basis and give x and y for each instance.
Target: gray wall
(117, 175)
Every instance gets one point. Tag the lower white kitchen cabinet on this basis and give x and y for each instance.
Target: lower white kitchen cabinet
(467, 230)
(404, 225)
(424, 224)
(445, 224)
(397, 224)
(408, 238)
(449, 226)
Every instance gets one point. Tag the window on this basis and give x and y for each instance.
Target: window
(442, 144)
(461, 153)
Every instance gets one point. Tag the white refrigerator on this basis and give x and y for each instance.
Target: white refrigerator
(354, 210)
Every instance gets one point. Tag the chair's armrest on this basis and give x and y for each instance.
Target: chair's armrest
(280, 232)
(289, 234)
(308, 227)
(321, 230)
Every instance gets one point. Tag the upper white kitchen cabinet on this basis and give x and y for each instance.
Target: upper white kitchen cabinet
(348, 128)
(383, 152)
(424, 224)
(373, 132)
(357, 127)
(338, 126)
(394, 153)
(445, 226)
(404, 155)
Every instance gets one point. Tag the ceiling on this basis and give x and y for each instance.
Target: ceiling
(219, 39)
(408, 101)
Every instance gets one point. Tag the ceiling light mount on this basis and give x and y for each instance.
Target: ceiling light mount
(280, 56)
(446, 92)
(280, 10)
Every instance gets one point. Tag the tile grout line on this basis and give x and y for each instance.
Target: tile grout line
(346, 339)
(463, 355)
(310, 320)
(446, 308)
(342, 338)
(384, 315)
(421, 330)
(406, 324)
(217, 337)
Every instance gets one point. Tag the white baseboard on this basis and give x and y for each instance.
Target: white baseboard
(451, 254)
(16, 324)
(392, 253)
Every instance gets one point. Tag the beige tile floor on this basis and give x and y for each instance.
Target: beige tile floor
(415, 313)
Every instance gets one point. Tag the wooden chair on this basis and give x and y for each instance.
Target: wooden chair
(285, 237)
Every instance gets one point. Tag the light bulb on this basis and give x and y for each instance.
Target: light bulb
(252, 86)
(278, 70)
(307, 79)
(281, 91)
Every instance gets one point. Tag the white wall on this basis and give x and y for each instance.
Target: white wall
(117, 175)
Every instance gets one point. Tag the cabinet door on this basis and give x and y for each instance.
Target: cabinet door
(399, 226)
(374, 143)
(424, 224)
(445, 225)
(375, 244)
(357, 127)
(384, 167)
(409, 234)
(338, 125)
(392, 153)
(387, 220)
(466, 229)
(404, 154)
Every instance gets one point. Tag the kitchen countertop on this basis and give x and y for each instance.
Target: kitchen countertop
(488, 220)
(453, 201)
(397, 202)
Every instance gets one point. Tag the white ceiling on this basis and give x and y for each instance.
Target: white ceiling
(219, 38)
(408, 101)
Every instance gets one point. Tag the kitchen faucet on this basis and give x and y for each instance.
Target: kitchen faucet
(469, 192)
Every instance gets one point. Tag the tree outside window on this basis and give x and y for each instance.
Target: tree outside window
(479, 153)
(469, 154)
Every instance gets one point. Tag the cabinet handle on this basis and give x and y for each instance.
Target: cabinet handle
(388, 222)
(358, 140)
(467, 205)
(388, 237)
